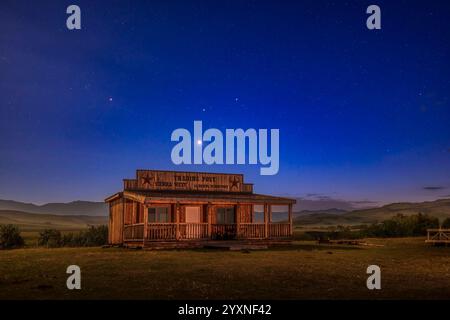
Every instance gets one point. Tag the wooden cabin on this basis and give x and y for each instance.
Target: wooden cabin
(173, 206)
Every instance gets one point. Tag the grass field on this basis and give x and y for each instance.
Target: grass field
(410, 270)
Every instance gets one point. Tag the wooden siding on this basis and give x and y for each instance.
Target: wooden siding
(115, 235)
(133, 212)
(246, 214)
(170, 180)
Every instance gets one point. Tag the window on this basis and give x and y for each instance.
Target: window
(258, 213)
(225, 216)
(158, 214)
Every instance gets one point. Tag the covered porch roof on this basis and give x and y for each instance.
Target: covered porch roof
(145, 196)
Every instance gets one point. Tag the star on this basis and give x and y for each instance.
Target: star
(146, 180)
(234, 183)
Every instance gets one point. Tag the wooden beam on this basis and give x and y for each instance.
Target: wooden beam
(123, 219)
(134, 212)
(266, 220)
(238, 219)
(145, 223)
(133, 196)
(209, 218)
(207, 199)
(113, 197)
(177, 220)
(290, 219)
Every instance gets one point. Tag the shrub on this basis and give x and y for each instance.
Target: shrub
(424, 222)
(10, 237)
(94, 236)
(402, 226)
(50, 238)
(68, 240)
(446, 224)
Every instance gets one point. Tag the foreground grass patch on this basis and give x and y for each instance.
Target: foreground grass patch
(410, 269)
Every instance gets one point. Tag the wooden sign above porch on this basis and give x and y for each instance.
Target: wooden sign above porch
(187, 181)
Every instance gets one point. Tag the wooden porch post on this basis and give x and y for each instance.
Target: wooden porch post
(145, 223)
(238, 219)
(208, 217)
(269, 216)
(177, 221)
(266, 220)
(290, 219)
(123, 220)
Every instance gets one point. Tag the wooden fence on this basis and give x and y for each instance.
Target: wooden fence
(438, 236)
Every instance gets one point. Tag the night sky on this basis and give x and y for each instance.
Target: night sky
(363, 115)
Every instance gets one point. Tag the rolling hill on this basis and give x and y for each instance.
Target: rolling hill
(81, 214)
(34, 222)
(439, 208)
(89, 208)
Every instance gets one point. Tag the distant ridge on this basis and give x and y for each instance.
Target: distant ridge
(438, 208)
(37, 221)
(326, 211)
(88, 208)
(332, 216)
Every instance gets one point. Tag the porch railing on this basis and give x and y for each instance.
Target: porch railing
(190, 231)
(223, 231)
(279, 230)
(251, 231)
(133, 231)
(193, 230)
(161, 231)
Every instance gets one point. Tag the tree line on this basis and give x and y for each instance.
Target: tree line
(398, 226)
(10, 237)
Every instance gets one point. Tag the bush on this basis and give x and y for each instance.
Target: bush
(50, 238)
(402, 226)
(333, 233)
(94, 236)
(10, 237)
(446, 224)
(398, 226)
(424, 222)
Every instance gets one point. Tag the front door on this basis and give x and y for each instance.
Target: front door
(192, 222)
(225, 227)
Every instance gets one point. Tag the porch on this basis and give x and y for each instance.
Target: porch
(140, 217)
(181, 221)
(205, 231)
